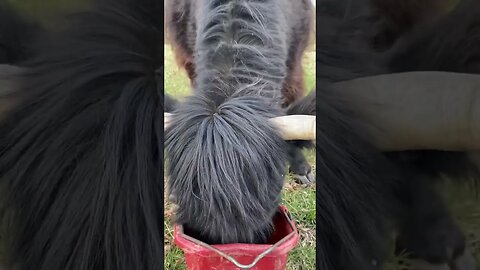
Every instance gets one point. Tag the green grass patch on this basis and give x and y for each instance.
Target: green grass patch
(299, 258)
(176, 81)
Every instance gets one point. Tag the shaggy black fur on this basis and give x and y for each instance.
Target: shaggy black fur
(81, 164)
(233, 179)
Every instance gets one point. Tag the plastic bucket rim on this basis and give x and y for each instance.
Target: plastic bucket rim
(185, 244)
(281, 247)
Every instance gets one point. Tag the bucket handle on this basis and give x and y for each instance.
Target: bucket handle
(258, 258)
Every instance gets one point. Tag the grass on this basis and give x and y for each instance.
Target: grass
(299, 200)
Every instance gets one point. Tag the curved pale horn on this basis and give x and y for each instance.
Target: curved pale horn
(417, 110)
(291, 127)
(296, 127)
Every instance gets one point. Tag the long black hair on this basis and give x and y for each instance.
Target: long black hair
(81, 154)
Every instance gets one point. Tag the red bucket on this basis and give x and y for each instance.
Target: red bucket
(271, 256)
